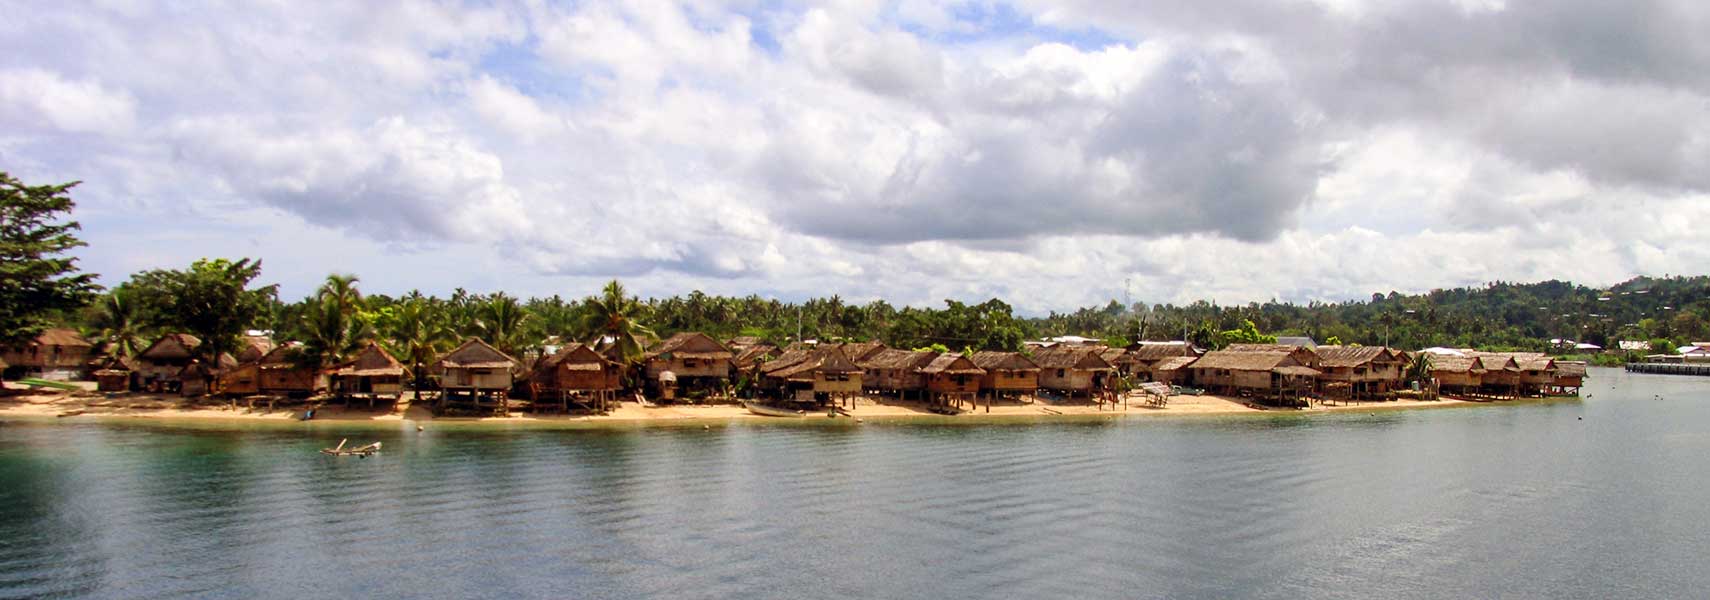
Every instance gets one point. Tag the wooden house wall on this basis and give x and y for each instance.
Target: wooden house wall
(953, 384)
(1007, 381)
(117, 382)
(689, 367)
(1501, 378)
(371, 384)
(582, 379)
(48, 357)
(837, 383)
(1065, 379)
(893, 380)
(1456, 378)
(482, 379)
(287, 380)
(243, 380)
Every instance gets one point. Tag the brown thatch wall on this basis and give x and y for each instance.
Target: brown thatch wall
(1010, 381)
(953, 384)
(494, 379)
(1067, 380)
(689, 367)
(244, 380)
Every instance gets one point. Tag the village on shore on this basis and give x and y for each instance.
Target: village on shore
(689, 371)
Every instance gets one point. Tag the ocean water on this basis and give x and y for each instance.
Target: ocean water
(1605, 497)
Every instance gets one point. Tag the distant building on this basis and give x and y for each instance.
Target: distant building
(1302, 341)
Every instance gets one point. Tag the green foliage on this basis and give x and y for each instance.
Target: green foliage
(940, 348)
(1333, 341)
(39, 284)
(117, 323)
(614, 315)
(1663, 346)
(210, 300)
(1247, 333)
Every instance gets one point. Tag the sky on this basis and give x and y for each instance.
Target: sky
(1054, 154)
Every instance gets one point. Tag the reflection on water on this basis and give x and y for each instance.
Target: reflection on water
(1601, 498)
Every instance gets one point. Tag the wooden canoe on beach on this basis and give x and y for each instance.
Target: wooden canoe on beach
(772, 411)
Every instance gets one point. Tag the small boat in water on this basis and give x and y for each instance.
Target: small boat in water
(772, 411)
(363, 451)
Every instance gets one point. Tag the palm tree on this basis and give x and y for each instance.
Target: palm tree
(330, 335)
(341, 290)
(612, 315)
(418, 335)
(117, 323)
(501, 322)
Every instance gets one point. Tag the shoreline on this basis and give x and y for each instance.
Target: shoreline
(144, 408)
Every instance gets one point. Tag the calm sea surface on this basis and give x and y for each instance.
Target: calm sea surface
(1513, 501)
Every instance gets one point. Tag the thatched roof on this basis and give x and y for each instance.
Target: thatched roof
(1160, 351)
(754, 354)
(1236, 360)
(1263, 348)
(475, 354)
(1116, 356)
(951, 363)
(1456, 364)
(741, 341)
(61, 336)
(1570, 368)
(823, 360)
(1174, 363)
(1497, 362)
(1350, 356)
(992, 360)
(893, 358)
(789, 358)
(252, 348)
(372, 361)
(282, 357)
(171, 346)
(1062, 356)
(1297, 371)
(1525, 361)
(691, 345)
(857, 351)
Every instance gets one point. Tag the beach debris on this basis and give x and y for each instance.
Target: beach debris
(360, 452)
(420, 428)
(71, 413)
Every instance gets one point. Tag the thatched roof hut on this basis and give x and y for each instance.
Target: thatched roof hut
(809, 375)
(895, 370)
(1173, 369)
(750, 357)
(952, 378)
(475, 365)
(56, 350)
(1267, 374)
(696, 359)
(1302, 354)
(157, 366)
(1007, 372)
(252, 347)
(1072, 369)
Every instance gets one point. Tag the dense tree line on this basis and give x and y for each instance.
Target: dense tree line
(218, 300)
(214, 299)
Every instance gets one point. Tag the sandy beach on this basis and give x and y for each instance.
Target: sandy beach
(19, 403)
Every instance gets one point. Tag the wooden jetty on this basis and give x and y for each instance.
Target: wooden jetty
(1700, 369)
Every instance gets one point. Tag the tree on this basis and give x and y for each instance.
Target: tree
(418, 334)
(501, 323)
(117, 323)
(211, 300)
(38, 282)
(612, 315)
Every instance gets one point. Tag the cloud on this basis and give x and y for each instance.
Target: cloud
(34, 99)
(1041, 150)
